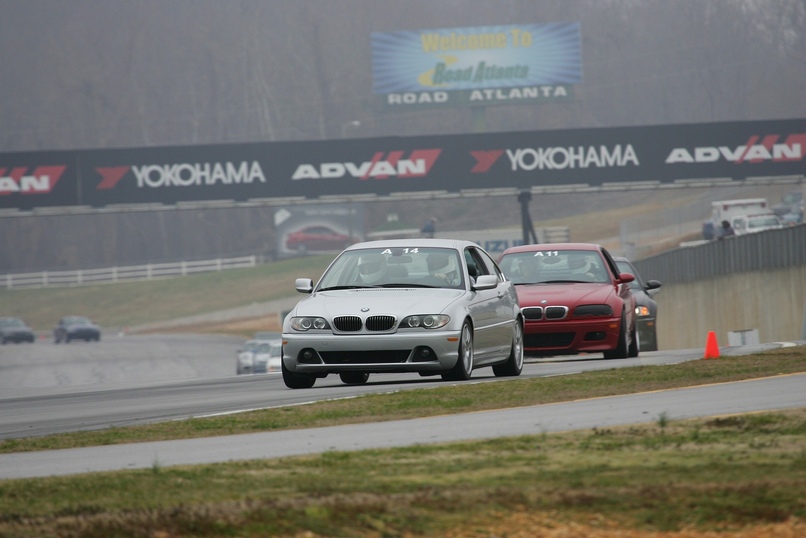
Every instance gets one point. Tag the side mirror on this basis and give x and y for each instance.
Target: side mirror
(625, 278)
(653, 285)
(304, 285)
(485, 282)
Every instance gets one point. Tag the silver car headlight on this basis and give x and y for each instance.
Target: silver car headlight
(425, 321)
(642, 311)
(309, 322)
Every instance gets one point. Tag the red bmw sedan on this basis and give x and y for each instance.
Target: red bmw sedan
(573, 299)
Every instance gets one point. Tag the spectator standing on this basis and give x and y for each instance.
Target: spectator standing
(430, 227)
(727, 230)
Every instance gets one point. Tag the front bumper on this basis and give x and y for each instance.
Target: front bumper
(570, 336)
(647, 334)
(416, 351)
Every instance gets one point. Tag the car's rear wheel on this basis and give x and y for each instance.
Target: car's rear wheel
(464, 363)
(297, 381)
(621, 348)
(354, 378)
(514, 364)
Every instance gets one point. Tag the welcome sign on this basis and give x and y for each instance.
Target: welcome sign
(480, 65)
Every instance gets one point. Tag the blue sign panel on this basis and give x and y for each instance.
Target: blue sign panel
(476, 58)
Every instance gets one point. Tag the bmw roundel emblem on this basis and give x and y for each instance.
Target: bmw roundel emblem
(365, 309)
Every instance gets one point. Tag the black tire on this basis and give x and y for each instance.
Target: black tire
(354, 378)
(464, 363)
(621, 349)
(635, 345)
(514, 363)
(297, 381)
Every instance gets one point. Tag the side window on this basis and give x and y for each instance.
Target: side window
(492, 267)
(475, 265)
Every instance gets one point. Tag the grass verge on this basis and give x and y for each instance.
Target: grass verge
(734, 476)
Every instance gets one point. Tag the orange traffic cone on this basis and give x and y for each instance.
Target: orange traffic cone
(711, 347)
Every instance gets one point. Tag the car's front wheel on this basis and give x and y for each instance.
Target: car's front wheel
(514, 364)
(635, 345)
(354, 378)
(621, 348)
(297, 381)
(464, 363)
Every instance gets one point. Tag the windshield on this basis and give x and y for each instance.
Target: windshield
(536, 267)
(395, 267)
(763, 222)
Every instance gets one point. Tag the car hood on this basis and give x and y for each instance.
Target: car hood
(378, 301)
(565, 294)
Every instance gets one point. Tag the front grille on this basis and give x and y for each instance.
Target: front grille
(365, 357)
(556, 312)
(532, 312)
(547, 340)
(347, 323)
(380, 323)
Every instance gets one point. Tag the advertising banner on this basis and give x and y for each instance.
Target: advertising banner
(479, 65)
(316, 229)
(383, 166)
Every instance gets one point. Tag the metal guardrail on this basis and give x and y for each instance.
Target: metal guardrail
(148, 271)
(762, 251)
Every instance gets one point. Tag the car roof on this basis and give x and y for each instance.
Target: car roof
(554, 246)
(457, 244)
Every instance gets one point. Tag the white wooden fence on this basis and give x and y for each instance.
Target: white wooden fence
(148, 271)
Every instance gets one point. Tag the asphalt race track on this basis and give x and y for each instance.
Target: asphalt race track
(46, 389)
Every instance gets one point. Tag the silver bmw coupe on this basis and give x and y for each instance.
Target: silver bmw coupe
(430, 306)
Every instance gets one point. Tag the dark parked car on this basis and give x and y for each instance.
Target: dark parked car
(76, 328)
(15, 330)
(574, 299)
(646, 309)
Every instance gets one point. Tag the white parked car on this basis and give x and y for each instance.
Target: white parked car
(425, 306)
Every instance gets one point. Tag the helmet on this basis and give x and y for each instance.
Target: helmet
(371, 268)
(580, 265)
(530, 268)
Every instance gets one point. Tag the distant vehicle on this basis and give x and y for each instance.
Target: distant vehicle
(646, 309)
(259, 356)
(790, 209)
(747, 224)
(421, 306)
(268, 356)
(245, 357)
(729, 209)
(792, 202)
(574, 299)
(15, 330)
(76, 328)
(317, 239)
